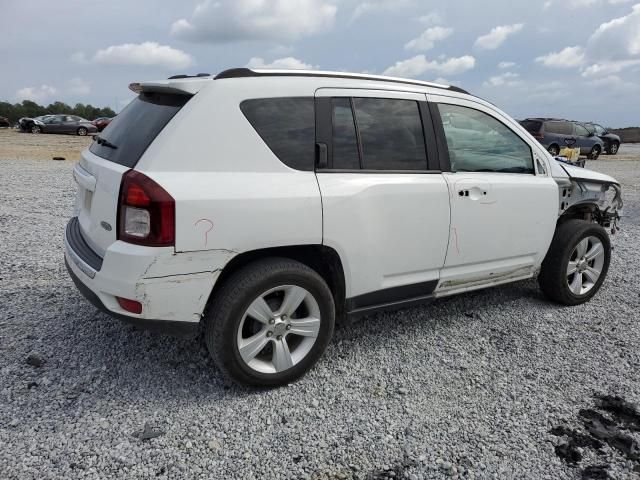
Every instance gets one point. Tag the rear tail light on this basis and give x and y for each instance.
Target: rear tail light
(146, 212)
(132, 306)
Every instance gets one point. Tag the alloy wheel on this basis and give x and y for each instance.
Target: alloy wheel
(278, 329)
(585, 265)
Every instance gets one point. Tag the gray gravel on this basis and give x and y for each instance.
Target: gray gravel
(468, 387)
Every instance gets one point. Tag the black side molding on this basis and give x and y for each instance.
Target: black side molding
(390, 298)
(247, 72)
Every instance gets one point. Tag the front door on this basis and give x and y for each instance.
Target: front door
(503, 207)
(384, 210)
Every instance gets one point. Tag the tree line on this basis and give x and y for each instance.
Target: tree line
(29, 108)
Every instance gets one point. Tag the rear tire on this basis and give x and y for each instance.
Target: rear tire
(577, 262)
(82, 131)
(554, 150)
(595, 153)
(255, 332)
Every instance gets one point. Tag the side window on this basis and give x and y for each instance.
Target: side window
(345, 141)
(287, 126)
(581, 131)
(391, 134)
(559, 128)
(478, 142)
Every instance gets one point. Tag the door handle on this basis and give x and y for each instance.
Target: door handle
(475, 193)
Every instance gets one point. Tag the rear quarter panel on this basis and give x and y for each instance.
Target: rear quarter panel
(231, 191)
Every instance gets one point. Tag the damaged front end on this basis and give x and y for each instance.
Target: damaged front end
(590, 196)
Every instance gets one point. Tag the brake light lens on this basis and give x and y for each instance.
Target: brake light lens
(146, 212)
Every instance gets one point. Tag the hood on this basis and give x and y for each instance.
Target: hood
(579, 173)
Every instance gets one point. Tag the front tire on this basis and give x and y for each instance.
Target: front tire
(577, 262)
(82, 131)
(270, 322)
(613, 148)
(595, 153)
(36, 129)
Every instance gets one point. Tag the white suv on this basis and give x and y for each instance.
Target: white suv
(266, 204)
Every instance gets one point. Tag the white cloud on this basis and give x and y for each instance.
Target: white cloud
(428, 38)
(432, 18)
(288, 63)
(618, 38)
(371, 6)
(147, 54)
(505, 65)
(608, 68)
(497, 36)
(37, 94)
(418, 65)
(584, 3)
(78, 86)
(233, 20)
(569, 57)
(506, 79)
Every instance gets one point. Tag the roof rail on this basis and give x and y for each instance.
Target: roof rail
(247, 72)
(183, 75)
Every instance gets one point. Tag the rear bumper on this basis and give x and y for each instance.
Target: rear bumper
(168, 327)
(173, 288)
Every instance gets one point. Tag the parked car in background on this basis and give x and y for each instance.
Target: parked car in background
(4, 122)
(26, 123)
(327, 199)
(102, 122)
(556, 133)
(63, 124)
(611, 140)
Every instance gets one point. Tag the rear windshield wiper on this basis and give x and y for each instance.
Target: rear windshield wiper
(104, 142)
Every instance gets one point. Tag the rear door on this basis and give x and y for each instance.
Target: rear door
(385, 207)
(99, 172)
(503, 203)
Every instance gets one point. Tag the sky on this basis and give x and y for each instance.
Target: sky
(577, 59)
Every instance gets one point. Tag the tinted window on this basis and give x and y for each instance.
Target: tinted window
(480, 143)
(599, 130)
(559, 128)
(581, 131)
(531, 125)
(287, 126)
(391, 134)
(133, 130)
(345, 141)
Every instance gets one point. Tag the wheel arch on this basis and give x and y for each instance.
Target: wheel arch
(324, 260)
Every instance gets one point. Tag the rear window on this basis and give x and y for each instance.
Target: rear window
(559, 128)
(133, 129)
(287, 126)
(531, 125)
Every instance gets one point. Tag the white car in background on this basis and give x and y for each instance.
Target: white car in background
(264, 205)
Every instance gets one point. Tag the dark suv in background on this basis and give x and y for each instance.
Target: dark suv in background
(555, 134)
(611, 140)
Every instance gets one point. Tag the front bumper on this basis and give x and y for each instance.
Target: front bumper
(173, 288)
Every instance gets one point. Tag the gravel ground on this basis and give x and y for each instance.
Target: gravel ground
(468, 387)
